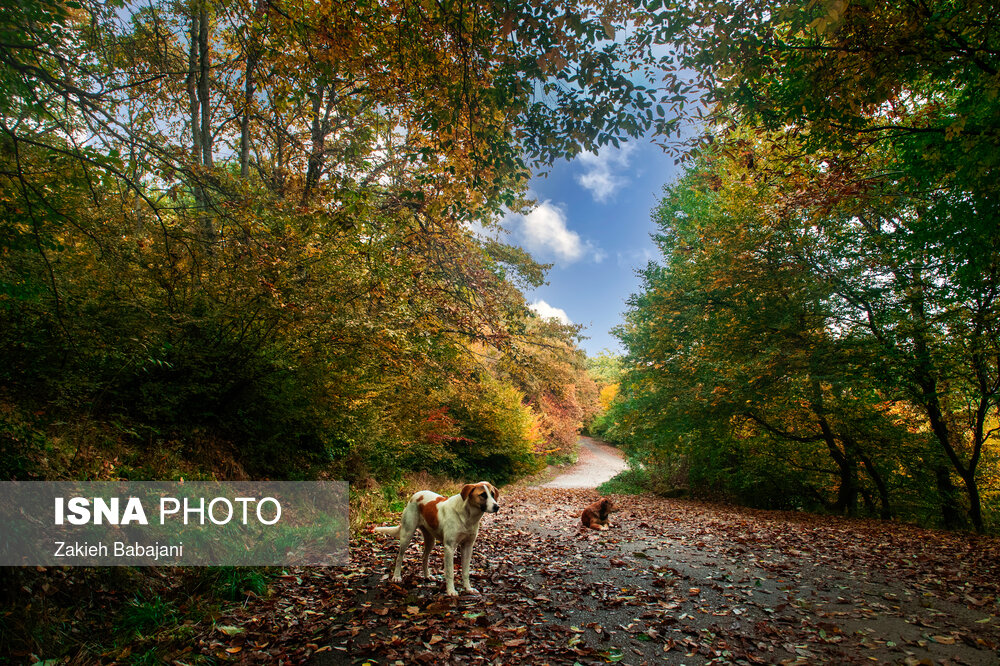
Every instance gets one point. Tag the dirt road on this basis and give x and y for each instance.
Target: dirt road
(596, 463)
(672, 582)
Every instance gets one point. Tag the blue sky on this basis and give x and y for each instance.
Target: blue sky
(593, 222)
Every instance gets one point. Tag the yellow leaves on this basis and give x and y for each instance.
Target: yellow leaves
(832, 20)
(609, 27)
(608, 395)
(955, 128)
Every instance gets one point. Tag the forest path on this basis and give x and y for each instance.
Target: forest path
(673, 581)
(597, 462)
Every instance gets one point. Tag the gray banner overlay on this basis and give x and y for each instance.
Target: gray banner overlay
(158, 523)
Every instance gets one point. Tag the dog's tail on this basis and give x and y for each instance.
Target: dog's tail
(391, 531)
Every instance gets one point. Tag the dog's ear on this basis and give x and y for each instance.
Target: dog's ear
(493, 489)
(467, 490)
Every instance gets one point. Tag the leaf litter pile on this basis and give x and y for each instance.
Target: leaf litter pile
(672, 581)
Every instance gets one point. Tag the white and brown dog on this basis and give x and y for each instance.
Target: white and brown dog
(454, 521)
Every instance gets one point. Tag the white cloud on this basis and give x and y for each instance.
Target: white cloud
(637, 258)
(546, 311)
(543, 231)
(602, 172)
(481, 231)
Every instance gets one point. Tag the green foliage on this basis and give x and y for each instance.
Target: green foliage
(562, 458)
(602, 426)
(21, 448)
(605, 368)
(237, 583)
(853, 75)
(499, 437)
(791, 349)
(632, 481)
(143, 616)
(825, 309)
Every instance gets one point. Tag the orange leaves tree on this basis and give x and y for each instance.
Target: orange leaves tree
(255, 219)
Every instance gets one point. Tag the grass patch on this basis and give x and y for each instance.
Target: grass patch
(631, 481)
(144, 616)
(238, 583)
(562, 458)
(441, 485)
(368, 504)
(125, 614)
(372, 503)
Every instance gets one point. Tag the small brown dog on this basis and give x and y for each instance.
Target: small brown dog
(596, 515)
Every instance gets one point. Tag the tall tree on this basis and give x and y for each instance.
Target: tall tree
(896, 103)
(803, 303)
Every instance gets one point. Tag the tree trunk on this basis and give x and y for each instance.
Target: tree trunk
(847, 464)
(253, 49)
(192, 86)
(925, 378)
(975, 501)
(885, 512)
(950, 510)
(205, 105)
(939, 427)
(248, 93)
(204, 90)
(317, 134)
(847, 491)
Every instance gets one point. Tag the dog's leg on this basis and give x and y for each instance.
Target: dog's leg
(449, 569)
(407, 527)
(428, 547)
(466, 559)
(404, 542)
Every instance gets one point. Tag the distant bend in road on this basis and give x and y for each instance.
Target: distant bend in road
(596, 463)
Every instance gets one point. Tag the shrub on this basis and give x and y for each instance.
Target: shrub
(499, 436)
